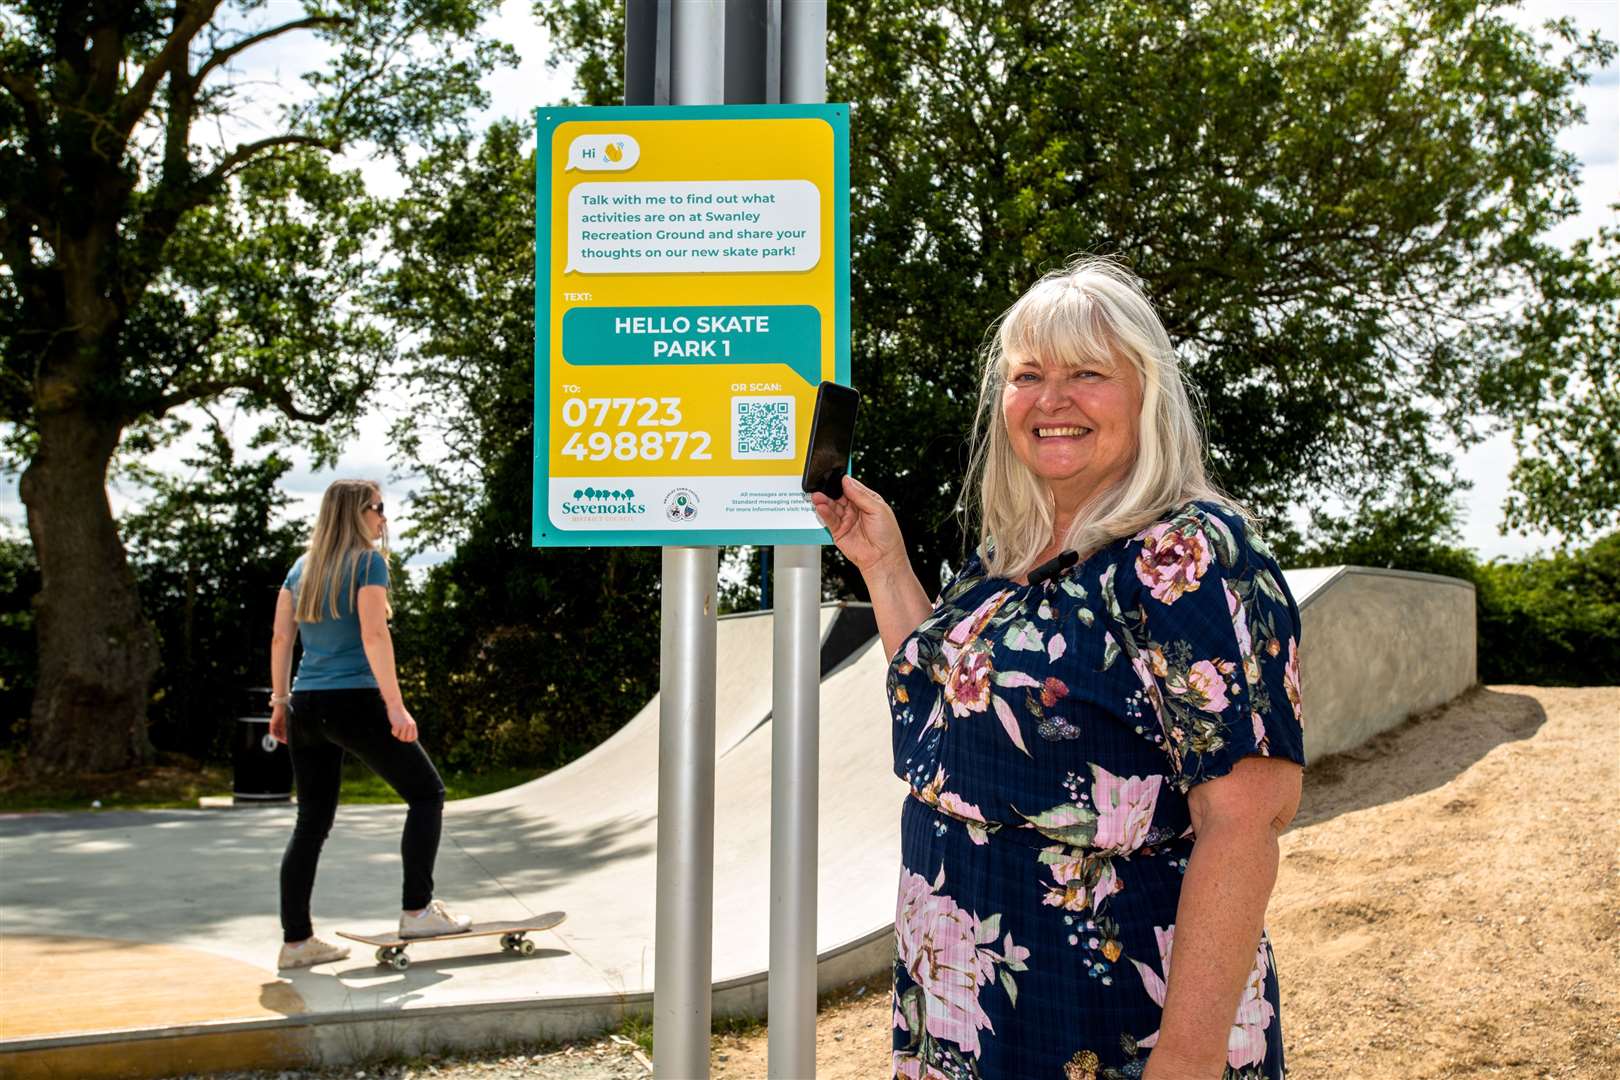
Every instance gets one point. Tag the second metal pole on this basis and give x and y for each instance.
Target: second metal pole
(800, 29)
(795, 785)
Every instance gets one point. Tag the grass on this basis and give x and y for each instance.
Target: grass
(173, 782)
(361, 785)
(638, 1028)
(176, 782)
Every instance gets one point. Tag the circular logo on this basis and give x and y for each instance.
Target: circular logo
(681, 505)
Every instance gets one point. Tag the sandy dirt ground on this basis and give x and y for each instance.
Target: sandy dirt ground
(1447, 906)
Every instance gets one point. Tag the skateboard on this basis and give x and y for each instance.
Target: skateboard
(391, 947)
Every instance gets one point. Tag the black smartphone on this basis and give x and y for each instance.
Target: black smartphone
(832, 437)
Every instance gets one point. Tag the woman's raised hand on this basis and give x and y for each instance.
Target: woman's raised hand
(862, 525)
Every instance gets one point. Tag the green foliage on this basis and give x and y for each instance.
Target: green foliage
(1337, 205)
(511, 656)
(19, 581)
(210, 552)
(1560, 389)
(517, 656)
(1552, 621)
(1417, 532)
(599, 66)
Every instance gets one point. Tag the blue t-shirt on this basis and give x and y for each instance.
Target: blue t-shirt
(334, 656)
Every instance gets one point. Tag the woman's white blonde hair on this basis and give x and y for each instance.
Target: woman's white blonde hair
(340, 540)
(1091, 312)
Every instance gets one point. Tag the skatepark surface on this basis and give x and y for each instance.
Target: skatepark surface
(144, 943)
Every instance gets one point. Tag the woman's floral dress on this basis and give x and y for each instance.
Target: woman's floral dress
(1050, 734)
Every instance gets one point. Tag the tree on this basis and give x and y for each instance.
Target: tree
(1338, 206)
(147, 265)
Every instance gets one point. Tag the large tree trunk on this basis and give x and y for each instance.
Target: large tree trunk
(97, 653)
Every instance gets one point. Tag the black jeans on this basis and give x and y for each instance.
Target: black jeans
(321, 725)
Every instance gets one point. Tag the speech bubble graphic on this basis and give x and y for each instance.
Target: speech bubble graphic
(726, 334)
(693, 227)
(603, 153)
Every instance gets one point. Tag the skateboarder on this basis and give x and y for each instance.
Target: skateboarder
(346, 698)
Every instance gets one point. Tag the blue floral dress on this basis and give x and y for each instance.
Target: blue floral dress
(1050, 734)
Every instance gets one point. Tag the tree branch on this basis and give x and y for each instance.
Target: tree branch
(26, 94)
(224, 56)
(138, 98)
(245, 152)
(277, 395)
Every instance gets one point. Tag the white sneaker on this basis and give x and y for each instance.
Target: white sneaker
(435, 921)
(312, 952)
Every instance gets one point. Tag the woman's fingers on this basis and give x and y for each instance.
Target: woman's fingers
(861, 495)
(835, 516)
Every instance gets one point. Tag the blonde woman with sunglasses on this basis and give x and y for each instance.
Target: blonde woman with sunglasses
(346, 699)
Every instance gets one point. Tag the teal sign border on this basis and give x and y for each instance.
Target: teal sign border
(542, 532)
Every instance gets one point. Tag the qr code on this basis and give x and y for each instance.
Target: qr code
(762, 427)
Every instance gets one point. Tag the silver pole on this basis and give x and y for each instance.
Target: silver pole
(683, 964)
(683, 970)
(795, 768)
(804, 50)
(801, 56)
(698, 53)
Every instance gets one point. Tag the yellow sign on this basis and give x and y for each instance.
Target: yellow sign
(691, 290)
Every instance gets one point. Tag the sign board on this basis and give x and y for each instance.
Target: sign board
(691, 290)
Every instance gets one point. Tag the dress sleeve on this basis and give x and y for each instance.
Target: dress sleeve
(1205, 615)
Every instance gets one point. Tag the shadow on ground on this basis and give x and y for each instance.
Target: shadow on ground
(1433, 748)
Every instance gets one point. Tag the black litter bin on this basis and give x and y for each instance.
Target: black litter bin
(263, 767)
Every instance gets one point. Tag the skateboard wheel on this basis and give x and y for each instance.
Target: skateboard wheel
(526, 947)
(382, 956)
(508, 943)
(400, 961)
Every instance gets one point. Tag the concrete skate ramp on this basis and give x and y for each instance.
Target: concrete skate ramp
(621, 773)
(1379, 645)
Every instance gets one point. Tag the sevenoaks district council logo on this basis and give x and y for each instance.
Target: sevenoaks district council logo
(681, 505)
(603, 502)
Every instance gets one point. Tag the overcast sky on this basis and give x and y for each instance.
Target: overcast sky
(516, 91)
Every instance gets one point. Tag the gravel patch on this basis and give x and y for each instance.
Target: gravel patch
(611, 1058)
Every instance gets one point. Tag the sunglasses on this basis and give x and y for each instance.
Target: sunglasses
(376, 508)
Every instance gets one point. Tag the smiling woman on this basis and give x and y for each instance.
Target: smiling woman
(1082, 348)
(1101, 754)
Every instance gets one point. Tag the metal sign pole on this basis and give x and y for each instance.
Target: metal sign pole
(705, 52)
(795, 769)
(683, 934)
(799, 60)
(687, 68)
